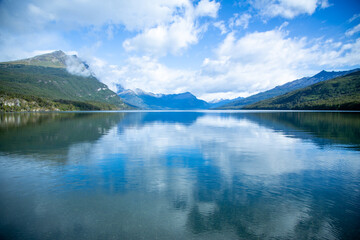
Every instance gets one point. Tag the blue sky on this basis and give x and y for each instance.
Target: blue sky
(214, 49)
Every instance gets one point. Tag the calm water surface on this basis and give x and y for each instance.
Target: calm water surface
(180, 175)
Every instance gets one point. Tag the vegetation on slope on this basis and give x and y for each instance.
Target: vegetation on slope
(283, 89)
(12, 102)
(342, 93)
(49, 88)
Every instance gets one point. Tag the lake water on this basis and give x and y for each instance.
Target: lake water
(180, 175)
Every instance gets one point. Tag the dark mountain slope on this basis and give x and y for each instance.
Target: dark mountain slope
(342, 93)
(287, 87)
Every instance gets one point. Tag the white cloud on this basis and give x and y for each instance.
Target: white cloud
(242, 66)
(150, 75)
(175, 20)
(134, 15)
(106, 73)
(207, 8)
(257, 61)
(353, 30)
(165, 38)
(262, 60)
(240, 21)
(175, 35)
(75, 66)
(221, 26)
(324, 4)
(145, 73)
(354, 17)
(288, 8)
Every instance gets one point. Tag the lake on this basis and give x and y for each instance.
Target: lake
(180, 175)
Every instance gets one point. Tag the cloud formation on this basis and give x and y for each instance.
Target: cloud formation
(353, 30)
(221, 26)
(172, 36)
(249, 54)
(240, 20)
(242, 66)
(262, 60)
(288, 8)
(75, 66)
(144, 72)
(134, 15)
(160, 26)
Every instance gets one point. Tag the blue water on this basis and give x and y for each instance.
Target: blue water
(180, 175)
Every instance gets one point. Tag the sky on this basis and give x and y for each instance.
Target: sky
(212, 48)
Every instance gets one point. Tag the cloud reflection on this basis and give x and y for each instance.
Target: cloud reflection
(207, 175)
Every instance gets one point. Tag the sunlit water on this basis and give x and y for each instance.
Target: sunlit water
(180, 175)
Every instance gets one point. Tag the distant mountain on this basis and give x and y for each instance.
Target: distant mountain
(287, 87)
(221, 102)
(146, 100)
(341, 93)
(53, 81)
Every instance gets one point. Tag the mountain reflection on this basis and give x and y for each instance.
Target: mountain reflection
(183, 175)
(324, 128)
(52, 134)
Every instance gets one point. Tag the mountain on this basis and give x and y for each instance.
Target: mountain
(55, 59)
(53, 81)
(287, 87)
(220, 102)
(341, 93)
(146, 100)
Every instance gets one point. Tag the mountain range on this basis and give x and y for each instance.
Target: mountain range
(185, 101)
(146, 100)
(56, 81)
